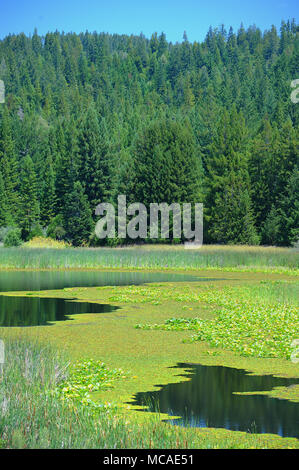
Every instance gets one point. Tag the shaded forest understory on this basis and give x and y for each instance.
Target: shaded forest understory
(90, 116)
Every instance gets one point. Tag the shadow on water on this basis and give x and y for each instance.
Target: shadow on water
(33, 311)
(209, 399)
(50, 280)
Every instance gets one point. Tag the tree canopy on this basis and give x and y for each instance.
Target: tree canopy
(89, 116)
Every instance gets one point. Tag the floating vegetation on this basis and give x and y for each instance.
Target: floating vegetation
(86, 377)
(243, 324)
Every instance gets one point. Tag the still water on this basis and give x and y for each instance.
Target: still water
(34, 311)
(209, 399)
(50, 280)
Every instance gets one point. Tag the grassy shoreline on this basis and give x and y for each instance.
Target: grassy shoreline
(212, 258)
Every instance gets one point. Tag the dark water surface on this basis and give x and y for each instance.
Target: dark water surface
(208, 400)
(50, 280)
(33, 311)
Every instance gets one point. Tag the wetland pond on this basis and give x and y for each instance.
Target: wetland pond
(210, 399)
(34, 311)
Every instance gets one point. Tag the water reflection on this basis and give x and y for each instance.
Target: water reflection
(50, 280)
(209, 400)
(33, 311)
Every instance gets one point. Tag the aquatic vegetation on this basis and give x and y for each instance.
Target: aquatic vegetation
(86, 377)
(174, 324)
(255, 330)
(250, 327)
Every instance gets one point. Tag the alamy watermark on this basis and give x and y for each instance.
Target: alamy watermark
(295, 351)
(2, 92)
(295, 93)
(180, 219)
(2, 354)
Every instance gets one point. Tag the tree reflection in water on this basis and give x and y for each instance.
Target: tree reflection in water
(33, 311)
(209, 399)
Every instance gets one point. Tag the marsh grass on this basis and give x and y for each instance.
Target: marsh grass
(153, 257)
(282, 291)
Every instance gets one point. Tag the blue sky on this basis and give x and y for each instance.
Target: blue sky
(134, 17)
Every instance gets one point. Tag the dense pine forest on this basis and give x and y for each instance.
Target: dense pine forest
(90, 116)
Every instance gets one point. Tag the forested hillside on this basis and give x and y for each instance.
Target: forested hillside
(90, 116)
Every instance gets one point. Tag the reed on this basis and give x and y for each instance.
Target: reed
(269, 259)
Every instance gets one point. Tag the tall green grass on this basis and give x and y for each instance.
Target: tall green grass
(270, 292)
(251, 258)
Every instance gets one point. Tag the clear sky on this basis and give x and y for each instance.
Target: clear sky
(136, 16)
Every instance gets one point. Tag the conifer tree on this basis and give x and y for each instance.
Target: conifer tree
(93, 157)
(77, 216)
(167, 167)
(229, 213)
(289, 212)
(48, 193)
(4, 217)
(29, 205)
(8, 165)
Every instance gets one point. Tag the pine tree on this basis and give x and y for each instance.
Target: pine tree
(94, 170)
(3, 203)
(262, 168)
(271, 228)
(229, 215)
(48, 194)
(29, 206)
(8, 165)
(232, 219)
(167, 167)
(66, 164)
(289, 226)
(77, 216)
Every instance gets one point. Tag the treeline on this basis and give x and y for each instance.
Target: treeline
(89, 116)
